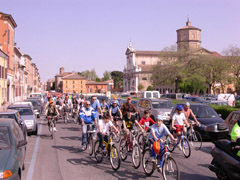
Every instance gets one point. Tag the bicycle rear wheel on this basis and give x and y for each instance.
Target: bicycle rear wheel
(136, 156)
(51, 130)
(98, 155)
(170, 169)
(147, 163)
(116, 137)
(123, 149)
(114, 158)
(186, 147)
(195, 140)
(90, 146)
(171, 144)
(140, 141)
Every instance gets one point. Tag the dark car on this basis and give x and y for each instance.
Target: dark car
(134, 102)
(196, 99)
(205, 114)
(100, 98)
(37, 107)
(14, 114)
(12, 149)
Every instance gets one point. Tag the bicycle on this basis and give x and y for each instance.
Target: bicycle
(169, 166)
(110, 150)
(194, 137)
(51, 125)
(186, 149)
(116, 136)
(128, 145)
(90, 135)
(142, 140)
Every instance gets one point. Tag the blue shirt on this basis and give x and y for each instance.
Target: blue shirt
(95, 105)
(159, 131)
(88, 115)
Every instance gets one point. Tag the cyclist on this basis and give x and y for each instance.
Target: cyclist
(115, 99)
(75, 106)
(87, 116)
(158, 131)
(235, 138)
(66, 108)
(96, 106)
(104, 106)
(188, 112)
(51, 111)
(128, 106)
(115, 112)
(146, 121)
(104, 127)
(178, 121)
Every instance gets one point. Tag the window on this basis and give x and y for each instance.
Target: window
(8, 37)
(81, 82)
(73, 86)
(66, 86)
(144, 78)
(66, 82)
(0, 72)
(73, 82)
(143, 62)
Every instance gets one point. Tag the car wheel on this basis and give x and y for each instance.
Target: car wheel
(36, 131)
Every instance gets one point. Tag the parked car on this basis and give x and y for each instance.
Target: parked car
(232, 119)
(196, 99)
(229, 98)
(14, 114)
(204, 113)
(39, 95)
(177, 96)
(150, 94)
(155, 107)
(12, 149)
(209, 97)
(100, 98)
(27, 115)
(134, 102)
(37, 107)
(215, 102)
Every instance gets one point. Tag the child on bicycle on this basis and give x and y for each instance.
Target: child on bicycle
(146, 121)
(115, 112)
(178, 121)
(103, 128)
(158, 131)
(51, 111)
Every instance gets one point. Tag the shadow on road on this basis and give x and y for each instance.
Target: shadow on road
(186, 176)
(71, 149)
(45, 136)
(70, 138)
(71, 128)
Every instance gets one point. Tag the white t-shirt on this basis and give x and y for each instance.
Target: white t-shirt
(105, 126)
(179, 119)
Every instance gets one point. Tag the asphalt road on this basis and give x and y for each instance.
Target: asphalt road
(62, 159)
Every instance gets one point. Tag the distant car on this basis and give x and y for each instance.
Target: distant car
(177, 96)
(14, 114)
(204, 113)
(27, 115)
(215, 102)
(134, 102)
(196, 99)
(39, 95)
(100, 98)
(209, 97)
(12, 149)
(37, 107)
(155, 107)
(232, 118)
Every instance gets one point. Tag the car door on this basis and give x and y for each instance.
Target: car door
(233, 119)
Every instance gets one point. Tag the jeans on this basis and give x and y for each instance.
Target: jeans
(85, 128)
(153, 154)
(102, 137)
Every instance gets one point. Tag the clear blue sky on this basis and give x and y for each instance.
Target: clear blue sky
(86, 34)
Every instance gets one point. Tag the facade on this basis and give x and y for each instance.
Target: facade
(59, 81)
(3, 76)
(74, 83)
(138, 70)
(97, 87)
(7, 32)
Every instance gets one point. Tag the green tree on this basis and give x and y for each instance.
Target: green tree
(117, 77)
(106, 75)
(140, 87)
(98, 80)
(150, 88)
(89, 75)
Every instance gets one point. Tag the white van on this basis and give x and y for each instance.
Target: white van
(228, 98)
(37, 95)
(150, 94)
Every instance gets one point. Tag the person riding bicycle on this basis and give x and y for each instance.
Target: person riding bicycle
(188, 112)
(235, 138)
(178, 121)
(146, 121)
(87, 116)
(104, 106)
(96, 106)
(128, 121)
(115, 99)
(51, 111)
(104, 127)
(158, 131)
(128, 106)
(115, 112)
(75, 107)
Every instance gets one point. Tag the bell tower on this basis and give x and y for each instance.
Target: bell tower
(188, 37)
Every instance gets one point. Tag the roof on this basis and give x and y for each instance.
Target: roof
(189, 27)
(20, 105)
(9, 111)
(9, 16)
(96, 83)
(73, 76)
(157, 53)
(27, 56)
(64, 74)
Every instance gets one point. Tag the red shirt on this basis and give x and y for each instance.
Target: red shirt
(146, 122)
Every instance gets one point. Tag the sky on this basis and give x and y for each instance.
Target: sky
(85, 34)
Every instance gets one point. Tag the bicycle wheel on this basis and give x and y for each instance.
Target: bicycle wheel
(147, 163)
(98, 155)
(51, 130)
(186, 147)
(90, 146)
(170, 169)
(140, 141)
(116, 137)
(65, 119)
(171, 144)
(195, 140)
(123, 149)
(136, 156)
(114, 158)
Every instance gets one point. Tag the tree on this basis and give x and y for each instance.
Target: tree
(140, 87)
(106, 75)
(150, 88)
(98, 80)
(117, 77)
(89, 75)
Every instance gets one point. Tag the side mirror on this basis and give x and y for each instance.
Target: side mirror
(21, 143)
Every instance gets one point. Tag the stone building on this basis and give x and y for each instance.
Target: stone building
(58, 79)
(74, 83)
(99, 87)
(3, 76)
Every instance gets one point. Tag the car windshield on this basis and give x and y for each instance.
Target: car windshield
(23, 111)
(34, 103)
(162, 104)
(203, 111)
(35, 95)
(134, 103)
(5, 142)
(11, 116)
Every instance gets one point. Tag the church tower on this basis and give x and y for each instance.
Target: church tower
(188, 37)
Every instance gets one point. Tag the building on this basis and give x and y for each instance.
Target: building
(7, 32)
(138, 70)
(99, 87)
(3, 76)
(73, 83)
(58, 79)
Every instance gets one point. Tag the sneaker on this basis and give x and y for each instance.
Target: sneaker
(152, 159)
(83, 147)
(159, 169)
(54, 129)
(180, 147)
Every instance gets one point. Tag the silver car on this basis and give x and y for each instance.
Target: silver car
(28, 117)
(155, 107)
